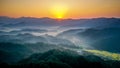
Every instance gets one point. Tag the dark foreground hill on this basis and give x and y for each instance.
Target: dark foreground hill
(63, 59)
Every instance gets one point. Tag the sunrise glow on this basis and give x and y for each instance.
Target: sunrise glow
(60, 8)
(59, 11)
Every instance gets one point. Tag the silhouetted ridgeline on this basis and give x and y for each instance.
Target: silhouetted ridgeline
(63, 59)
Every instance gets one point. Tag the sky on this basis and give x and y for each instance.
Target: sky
(60, 8)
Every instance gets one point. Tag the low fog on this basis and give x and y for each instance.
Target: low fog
(40, 35)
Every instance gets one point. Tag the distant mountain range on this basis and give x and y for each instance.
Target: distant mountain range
(29, 21)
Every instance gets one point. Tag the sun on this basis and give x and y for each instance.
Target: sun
(59, 11)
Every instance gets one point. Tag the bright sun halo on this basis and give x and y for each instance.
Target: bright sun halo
(59, 11)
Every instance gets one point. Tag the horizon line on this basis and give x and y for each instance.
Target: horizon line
(59, 18)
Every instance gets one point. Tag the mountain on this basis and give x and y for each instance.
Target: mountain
(28, 42)
(66, 59)
(42, 22)
(12, 53)
(102, 39)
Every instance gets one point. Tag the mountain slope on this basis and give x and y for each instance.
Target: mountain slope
(69, 58)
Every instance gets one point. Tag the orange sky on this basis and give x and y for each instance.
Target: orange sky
(60, 8)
